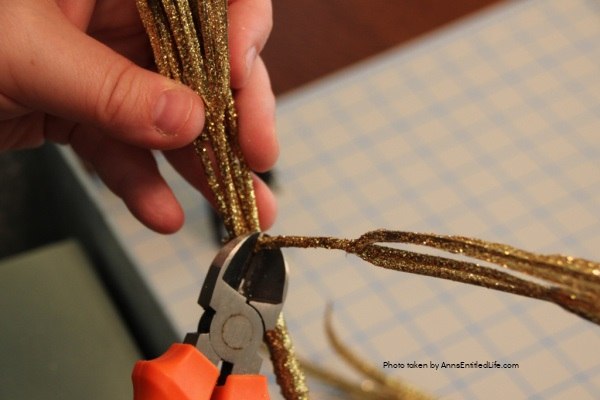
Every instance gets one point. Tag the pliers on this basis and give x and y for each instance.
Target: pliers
(242, 297)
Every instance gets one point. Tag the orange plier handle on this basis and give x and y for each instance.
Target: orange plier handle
(184, 373)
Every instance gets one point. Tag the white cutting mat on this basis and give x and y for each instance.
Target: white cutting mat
(489, 128)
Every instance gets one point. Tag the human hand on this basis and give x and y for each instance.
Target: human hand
(76, 72)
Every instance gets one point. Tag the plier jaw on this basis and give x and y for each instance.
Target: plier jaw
(242, 297)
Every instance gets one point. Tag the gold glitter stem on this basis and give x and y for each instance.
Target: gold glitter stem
(285, 364)
(366, 390)
(190, 44)
(569, 282)
(386, 386)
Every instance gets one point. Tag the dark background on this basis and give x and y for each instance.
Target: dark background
(312, 38)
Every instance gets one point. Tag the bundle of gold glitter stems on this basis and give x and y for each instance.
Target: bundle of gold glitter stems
(190, 43)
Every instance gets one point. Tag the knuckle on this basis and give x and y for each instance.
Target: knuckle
(21, 133)
(253, 18)
(265, 16)
(118, 92)
(10, 109)
(269, 19)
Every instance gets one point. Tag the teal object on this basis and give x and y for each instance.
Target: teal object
(61, 336)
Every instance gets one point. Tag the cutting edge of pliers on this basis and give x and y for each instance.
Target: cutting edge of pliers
(242, 297)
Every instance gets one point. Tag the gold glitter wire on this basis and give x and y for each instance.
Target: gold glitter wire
(365, 390)
(291, 382)
(190, 44)
(377, 386)
(572, 283)
(189, 41)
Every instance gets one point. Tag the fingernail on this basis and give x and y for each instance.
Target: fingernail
(250, 58)
(176, 112)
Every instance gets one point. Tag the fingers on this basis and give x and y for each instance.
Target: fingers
(132, 174)
(9, 109)
(188, 164)
(250, 23)
(22, 133)
(256, 110)
(89, 91)
(267, 205)
(52, 66)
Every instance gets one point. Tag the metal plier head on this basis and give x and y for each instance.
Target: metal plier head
(242, 297)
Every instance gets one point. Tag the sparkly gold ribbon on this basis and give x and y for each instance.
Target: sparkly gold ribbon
(572, 283)
(375, 386)
(189, 40)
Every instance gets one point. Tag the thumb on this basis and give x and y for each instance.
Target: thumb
(60, 70)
